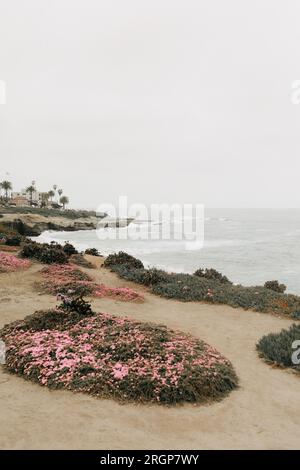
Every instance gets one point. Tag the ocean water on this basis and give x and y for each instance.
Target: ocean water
(249, 246)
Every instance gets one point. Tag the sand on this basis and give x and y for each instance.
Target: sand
(263, 413)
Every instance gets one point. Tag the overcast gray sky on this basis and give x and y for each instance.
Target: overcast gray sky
(161, 100)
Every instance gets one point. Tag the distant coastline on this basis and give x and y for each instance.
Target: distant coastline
(34, 221)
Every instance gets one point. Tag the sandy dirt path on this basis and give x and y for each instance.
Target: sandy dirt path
(264, 413)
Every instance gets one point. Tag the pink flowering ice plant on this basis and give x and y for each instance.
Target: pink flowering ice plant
(10, 263)
(67, 278)
(122, 293)
(110, 356)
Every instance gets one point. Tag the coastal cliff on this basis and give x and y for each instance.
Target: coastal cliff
(34, 222)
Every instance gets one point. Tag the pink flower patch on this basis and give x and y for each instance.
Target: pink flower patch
(122, 293)
(120, 371)
(58, 276)
(106, 355)
(10, 263)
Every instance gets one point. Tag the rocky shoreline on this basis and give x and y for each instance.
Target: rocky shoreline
(33, 224)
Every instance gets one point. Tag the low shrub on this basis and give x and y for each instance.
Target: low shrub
(109, 356)
(44, 252)
(275, 286)
(77, 305)
(69, 249)
(153, 276)
(211, 286)
(31, 250)
(277, 348)
(13, 241)
(147, 277)
(53, 255)
(257, 298)
(92, 252)
(123, 258)
(212, 274)
(184, 287)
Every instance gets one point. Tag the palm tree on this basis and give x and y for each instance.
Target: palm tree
(31, 191)
(60, 191)
(51, 194)
(7, 186)
(54, 188)
(64, 200)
